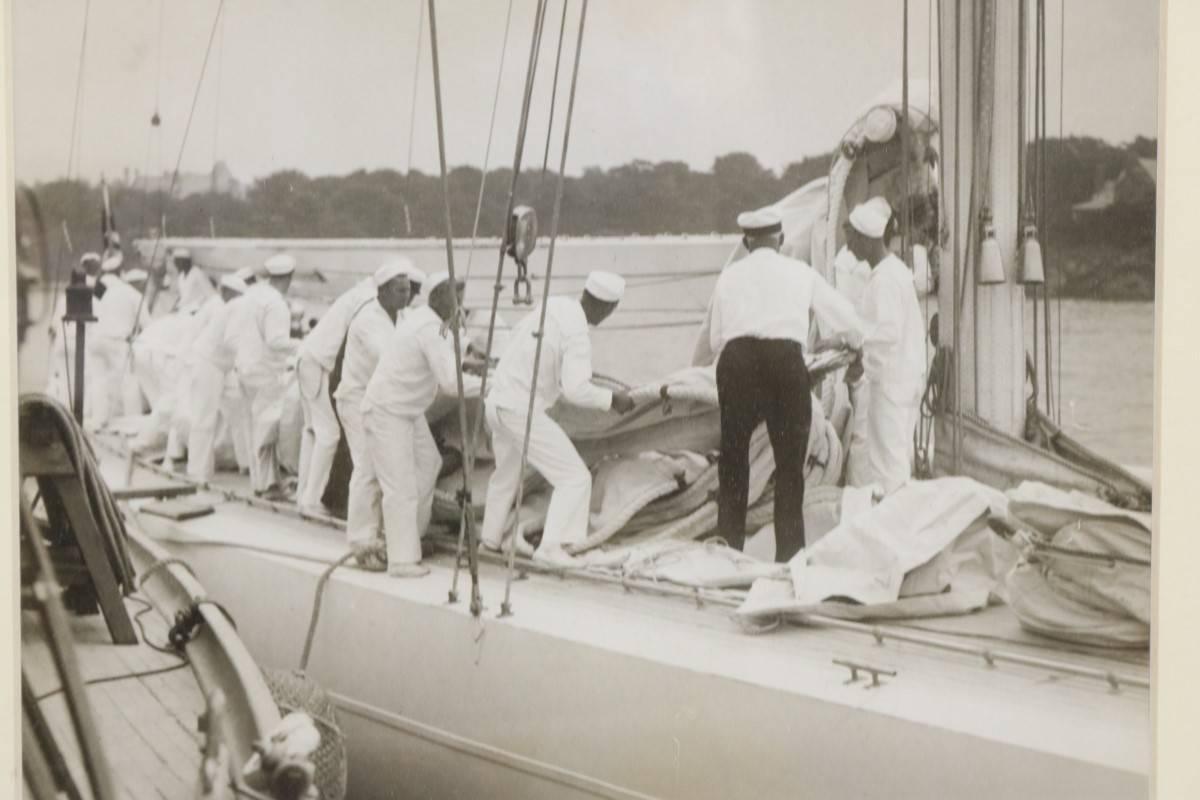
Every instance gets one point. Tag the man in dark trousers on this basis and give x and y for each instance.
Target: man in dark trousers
(758, 326)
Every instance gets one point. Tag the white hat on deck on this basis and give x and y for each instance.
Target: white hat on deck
(234, 282)
(392, 269)
(763, 221)
(279, 265)
(871, 218)
(246, 274)
(606, 286)
(136, 275)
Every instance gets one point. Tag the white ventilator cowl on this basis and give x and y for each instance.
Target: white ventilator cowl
(280, 265)
(871, 218)
(392, 269)
(606, 286)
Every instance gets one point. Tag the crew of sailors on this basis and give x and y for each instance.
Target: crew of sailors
(375, 362)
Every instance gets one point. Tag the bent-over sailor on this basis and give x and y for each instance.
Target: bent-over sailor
(317, 356)
(565, 371)
(371, 327)
(417, 361)
(261, 338)
(760, 321)
(893, 356)
(212, 361)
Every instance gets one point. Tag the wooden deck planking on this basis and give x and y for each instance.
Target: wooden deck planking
(147, 725)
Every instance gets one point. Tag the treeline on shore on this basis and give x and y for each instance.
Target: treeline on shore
(1107, 253)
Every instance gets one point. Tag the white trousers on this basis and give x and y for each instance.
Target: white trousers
(858, 463)
(406, 462)
(104, 377)
(264, 397)
(364, 505)
(235, 415)
(891, 420)
(553, 455)
(205, 395)
(319, 439)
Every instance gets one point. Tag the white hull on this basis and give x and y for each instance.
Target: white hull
(591, 691)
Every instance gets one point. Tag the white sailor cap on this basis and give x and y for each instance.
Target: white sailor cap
(392, 269)
(246, 274)
(764, 221)
(415, 275)
(136, 275)
(438, 279)
(181, 252)
(279, 265)
(871, 218)
(114, 237)
(89, 257)
(113, 262)
(234, 282)
(606, 286)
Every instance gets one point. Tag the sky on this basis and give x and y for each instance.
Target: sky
(327, 86)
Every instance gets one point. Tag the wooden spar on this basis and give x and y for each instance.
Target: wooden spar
(991, 334)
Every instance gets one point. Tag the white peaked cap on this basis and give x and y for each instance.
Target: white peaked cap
(606, 286)
(279, 265)
(766, 220)
(234, 282)
(437, 280)
(392, 269)
(182, 252)
(112, 263)
(134, 275)
(871, 218)
(245, 273)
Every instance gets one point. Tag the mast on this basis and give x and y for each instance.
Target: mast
(979, 49)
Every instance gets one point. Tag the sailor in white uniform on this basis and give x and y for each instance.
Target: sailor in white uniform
(261, 339)
(317, 356)
(211, 362)
(193, 286)
(120, 314)
(372, 326)
(417, 362)
(565, 371)
(760, 323)
(893, 350)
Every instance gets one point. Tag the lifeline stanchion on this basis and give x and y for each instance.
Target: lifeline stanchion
(506, 606)
(530, 72)
(467, 518)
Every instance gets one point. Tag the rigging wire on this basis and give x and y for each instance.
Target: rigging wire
(467, 514)
(487, 151)
(212, 230)
(175, 174)
(412, 114)
(1043, 222)
(562, 29)
(1062, 87)
(506, 607)
(522, 128)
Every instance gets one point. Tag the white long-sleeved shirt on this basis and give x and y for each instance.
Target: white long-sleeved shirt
(894, 344)
(416, 362)
(212, 342)
(261, 336)
(769, 296)
(194, 288)
(117, 310)
(370, 330)
(565, 370)
(323, 342)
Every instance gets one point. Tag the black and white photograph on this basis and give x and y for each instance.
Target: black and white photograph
(586, 399)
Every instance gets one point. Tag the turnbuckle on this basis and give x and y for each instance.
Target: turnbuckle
(522, 279)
